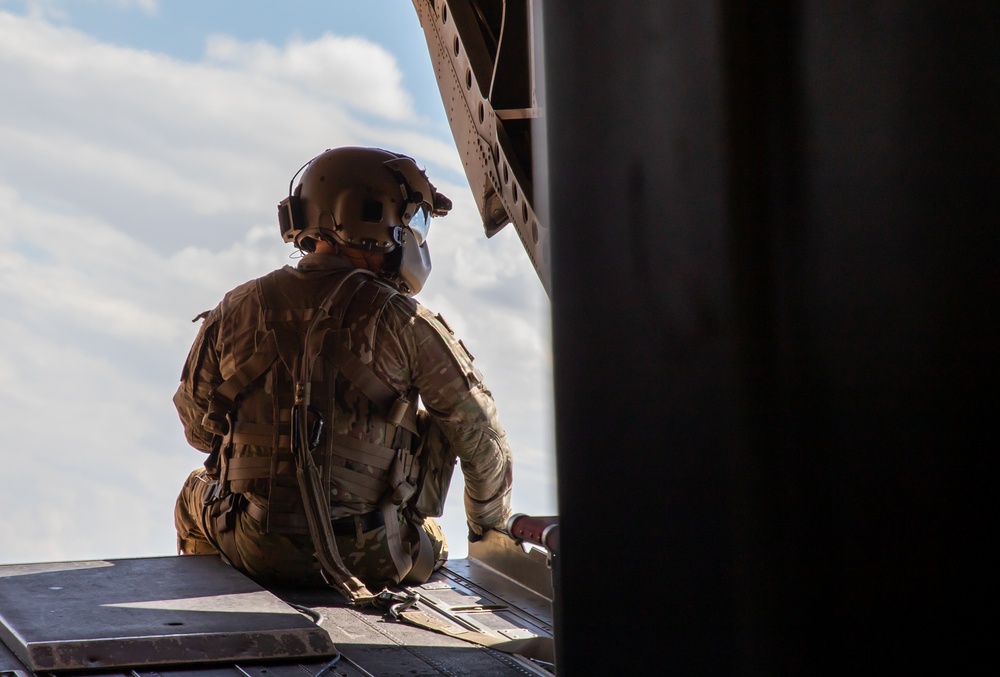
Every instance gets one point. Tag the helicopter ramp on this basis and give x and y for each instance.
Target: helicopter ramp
(195, 616)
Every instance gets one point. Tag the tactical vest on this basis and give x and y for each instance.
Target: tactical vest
(361, 431)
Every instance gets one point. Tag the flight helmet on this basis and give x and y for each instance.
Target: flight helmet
(369, 199)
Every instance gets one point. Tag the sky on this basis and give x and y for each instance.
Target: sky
(144, 145)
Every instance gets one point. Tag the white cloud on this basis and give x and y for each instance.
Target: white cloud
(87, 462)
(341, 69)
(45, 9)
(135, 189)
(56, 9)
(222, 138)
(150, 7)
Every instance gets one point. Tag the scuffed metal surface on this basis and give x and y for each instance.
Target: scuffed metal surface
(114, 618)
(167, 610)
(529, 568)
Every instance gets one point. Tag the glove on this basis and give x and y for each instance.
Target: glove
(477, 531)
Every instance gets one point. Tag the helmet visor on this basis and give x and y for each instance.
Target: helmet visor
(417, 218)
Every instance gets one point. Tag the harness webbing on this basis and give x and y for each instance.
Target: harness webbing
(540, 648)
(299, 492)
(364, 379)
(354, 449)
(315, 496)
(223, 398)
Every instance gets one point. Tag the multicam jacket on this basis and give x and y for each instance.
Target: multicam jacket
(397, 339)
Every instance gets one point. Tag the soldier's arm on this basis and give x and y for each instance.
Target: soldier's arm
(453, 392)
(198, 377)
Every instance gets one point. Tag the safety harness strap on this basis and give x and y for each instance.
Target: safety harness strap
(400, 558)
(539, 648)
(399, 413)
(293, 473)
(423, 563)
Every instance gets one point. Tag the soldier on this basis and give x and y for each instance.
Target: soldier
(303, 387)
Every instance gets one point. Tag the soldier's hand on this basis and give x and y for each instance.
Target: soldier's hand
(477, 531)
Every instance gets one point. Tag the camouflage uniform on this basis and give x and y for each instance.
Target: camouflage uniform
(401, 343)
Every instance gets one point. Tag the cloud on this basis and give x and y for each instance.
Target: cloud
(135, 190)
(150, 7)
(54, 10)
(350, 69)
(186, 145)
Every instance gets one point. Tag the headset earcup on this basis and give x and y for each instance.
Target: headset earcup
(291, 219)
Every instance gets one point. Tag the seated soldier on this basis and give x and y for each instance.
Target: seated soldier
(303, 387)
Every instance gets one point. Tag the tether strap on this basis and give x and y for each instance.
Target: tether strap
(539, 648)
(400, 558)
(315, 497)
(423, 564)
(298, 353)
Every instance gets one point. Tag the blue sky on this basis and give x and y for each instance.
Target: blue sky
(179, 28)
(144, 145)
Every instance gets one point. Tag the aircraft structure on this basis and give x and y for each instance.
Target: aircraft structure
(768, 231)
(490, 613)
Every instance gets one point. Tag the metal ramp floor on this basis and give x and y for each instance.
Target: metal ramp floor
(195, 616)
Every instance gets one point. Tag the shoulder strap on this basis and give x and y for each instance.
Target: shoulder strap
(394, 408)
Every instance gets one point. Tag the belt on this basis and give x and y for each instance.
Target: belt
(344, 526)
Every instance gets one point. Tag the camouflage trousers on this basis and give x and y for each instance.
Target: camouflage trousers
(278, 559)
